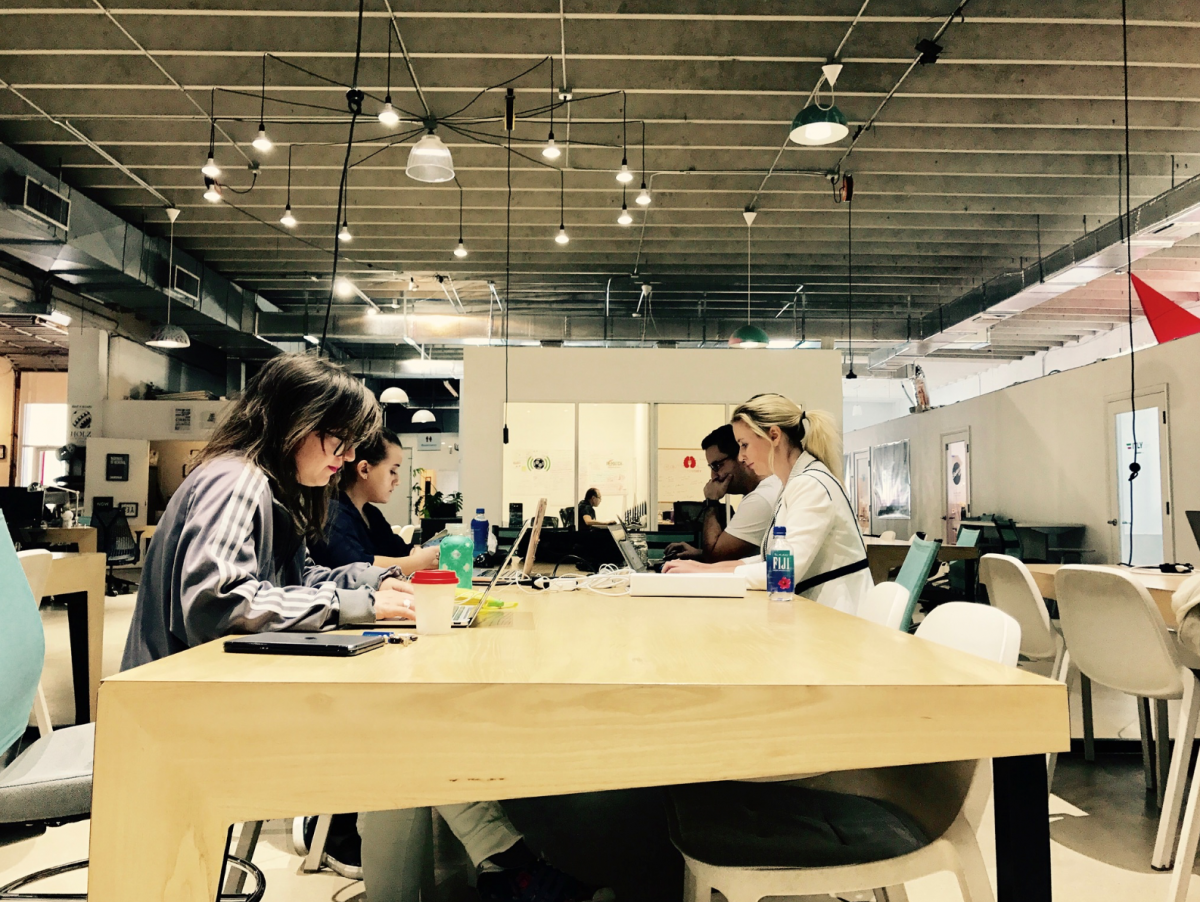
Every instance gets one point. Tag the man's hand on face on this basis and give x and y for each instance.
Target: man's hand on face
(715, 488)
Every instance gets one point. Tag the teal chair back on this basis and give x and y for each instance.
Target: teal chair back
(22, 644)
(957, 576)
(913, 574)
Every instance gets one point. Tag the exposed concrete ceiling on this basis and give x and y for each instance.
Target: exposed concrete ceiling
(1004, 149)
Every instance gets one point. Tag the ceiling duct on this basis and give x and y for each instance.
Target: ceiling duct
(1159, 223)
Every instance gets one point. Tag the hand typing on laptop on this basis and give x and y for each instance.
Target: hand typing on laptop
(393, 604)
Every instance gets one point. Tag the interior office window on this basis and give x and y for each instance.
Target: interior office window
(614, 458)
(539, 461)
(43, 432)
(682, 468)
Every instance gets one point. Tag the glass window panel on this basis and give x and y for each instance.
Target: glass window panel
(539, 460)
(682, 471)
(45, 425)
(614, 457)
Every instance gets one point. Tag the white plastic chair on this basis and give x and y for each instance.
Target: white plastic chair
(920, 790)
(1117, 637)
(888, 535)
(1011, 588)
(36, 565)
(885, 604)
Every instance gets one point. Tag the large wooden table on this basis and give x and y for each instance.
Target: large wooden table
(886, 555)
(78, 580)
(569, 693)
(83, 536)
(1160, 585)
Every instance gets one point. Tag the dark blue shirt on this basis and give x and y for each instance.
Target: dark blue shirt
(352, 539)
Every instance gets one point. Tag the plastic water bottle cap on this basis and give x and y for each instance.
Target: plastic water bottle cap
(780, 531)
(479, 510)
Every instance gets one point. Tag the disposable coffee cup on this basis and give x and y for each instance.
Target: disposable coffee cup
(434, 598)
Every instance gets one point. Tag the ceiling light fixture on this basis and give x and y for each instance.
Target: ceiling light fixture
(312, 339)
(429, 160)
(344, 232)
(461, 250)
(343, 287)
(211, 169)
(816, 125)
(624, 219)
(393, 395)
(424, 416)
(168, 335)
(551, 151)
(388, 115)
(643, 197)
(749, 335)
(287, 218)
(624, 176)
(562, 237)
(261, 142)
(212, 191)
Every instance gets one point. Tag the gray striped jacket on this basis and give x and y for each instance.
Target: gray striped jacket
(224, 559)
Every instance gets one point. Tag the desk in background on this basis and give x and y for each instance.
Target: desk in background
(1053, 542)
(78, 581)
(82, 536)
(575, 695)
(1161, 586)
(885, 556)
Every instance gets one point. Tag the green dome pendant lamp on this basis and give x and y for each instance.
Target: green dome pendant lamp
(816, 125)
(749, 335)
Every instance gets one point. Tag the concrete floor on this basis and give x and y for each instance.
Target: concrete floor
(1102, 821)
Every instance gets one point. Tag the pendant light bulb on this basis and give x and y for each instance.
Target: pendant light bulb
(562, 237)
(261, 142)
(388, 115)
(624, 176)
(287, 218)
(624, 219)
(343, 287)
(551, 150)
(344, 232)
(643, 197)
(211, 169)
(461, 250)
(212, 192)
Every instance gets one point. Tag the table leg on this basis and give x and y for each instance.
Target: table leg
(78, 630)
(1089, 727)
(95, 642)
(1162, 745)
(1147, 734)
(1022, 829)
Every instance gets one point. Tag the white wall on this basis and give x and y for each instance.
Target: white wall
(156, 421)
(614, 375)
(131, 364)
(1039, 450)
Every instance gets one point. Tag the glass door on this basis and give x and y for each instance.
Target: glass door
(956, 477)
(1141, 526)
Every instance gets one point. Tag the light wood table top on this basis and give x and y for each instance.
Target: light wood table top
(1160, 585)
(886, 555)
(566, 693)
(83, 536)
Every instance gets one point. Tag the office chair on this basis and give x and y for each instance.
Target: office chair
(49, 783)
(922, 554)
(115, 539)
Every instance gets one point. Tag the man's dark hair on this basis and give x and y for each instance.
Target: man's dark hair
(589, 495)
(723, 438)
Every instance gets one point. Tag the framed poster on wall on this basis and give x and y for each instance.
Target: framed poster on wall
(891, 481)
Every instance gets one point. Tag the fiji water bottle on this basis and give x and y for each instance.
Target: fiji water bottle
(479, 531)
(457, 553)
(780, 567)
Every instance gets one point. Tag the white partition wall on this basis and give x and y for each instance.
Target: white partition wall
(617, 376)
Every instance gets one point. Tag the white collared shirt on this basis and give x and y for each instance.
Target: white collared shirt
(822, 533)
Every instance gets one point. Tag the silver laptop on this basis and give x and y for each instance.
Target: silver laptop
(633, 557)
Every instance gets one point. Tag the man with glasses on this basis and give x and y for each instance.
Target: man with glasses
(729, 476)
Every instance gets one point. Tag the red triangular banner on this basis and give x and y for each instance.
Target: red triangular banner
(1168, 320)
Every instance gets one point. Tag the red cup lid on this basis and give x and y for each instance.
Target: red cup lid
(435, 577)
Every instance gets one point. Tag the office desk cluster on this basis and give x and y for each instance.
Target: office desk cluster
(569, 693)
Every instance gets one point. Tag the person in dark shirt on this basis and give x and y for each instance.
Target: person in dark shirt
(358, 530)
(587, 511)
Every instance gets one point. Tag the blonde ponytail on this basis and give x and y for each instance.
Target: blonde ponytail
(814, 431)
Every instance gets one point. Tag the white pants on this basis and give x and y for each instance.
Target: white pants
(397, 846)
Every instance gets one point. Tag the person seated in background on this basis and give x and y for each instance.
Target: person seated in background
(357, 529)
(804, 449)
(730, 476)
(587, 511)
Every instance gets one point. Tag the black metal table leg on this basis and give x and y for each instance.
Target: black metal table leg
(77, 629)
(1022, 829)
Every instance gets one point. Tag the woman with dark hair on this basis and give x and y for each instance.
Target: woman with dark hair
(358, 530)
(229, 554)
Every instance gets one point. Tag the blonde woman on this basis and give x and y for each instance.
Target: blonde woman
(803, 448)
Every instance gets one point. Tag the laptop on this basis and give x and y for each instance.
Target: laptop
(629, 552)
(483, 575)
(322, 644)
(1194, 522)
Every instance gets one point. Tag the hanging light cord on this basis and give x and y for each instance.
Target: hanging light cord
(748, 273)
(288, 205)
(850, 285)
(507, 272)
(170, 269)
(354, 101)
(262, 102)
(1134, 466)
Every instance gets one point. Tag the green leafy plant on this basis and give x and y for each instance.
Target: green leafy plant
(425, 505)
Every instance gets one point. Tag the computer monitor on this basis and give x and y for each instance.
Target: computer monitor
(688, 513)
(22, 508)
(1194, 522)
